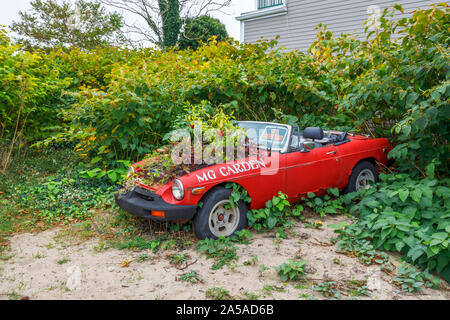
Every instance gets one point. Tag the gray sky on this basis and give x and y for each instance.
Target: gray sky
(10, 12)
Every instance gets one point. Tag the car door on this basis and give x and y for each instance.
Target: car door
(313, 171)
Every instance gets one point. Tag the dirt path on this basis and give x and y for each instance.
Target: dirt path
(44, 268)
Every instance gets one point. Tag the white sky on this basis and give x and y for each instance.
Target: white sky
(9, 11)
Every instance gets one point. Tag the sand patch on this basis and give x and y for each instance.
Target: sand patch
(45, 268)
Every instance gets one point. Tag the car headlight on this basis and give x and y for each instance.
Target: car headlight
(177, 189)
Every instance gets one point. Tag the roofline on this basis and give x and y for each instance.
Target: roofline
(264, 13)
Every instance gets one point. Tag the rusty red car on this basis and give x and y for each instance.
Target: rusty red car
(297, 162)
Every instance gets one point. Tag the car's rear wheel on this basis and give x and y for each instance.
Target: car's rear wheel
(364, 174)
(217, 217)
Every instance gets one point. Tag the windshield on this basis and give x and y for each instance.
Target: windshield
(266, 134)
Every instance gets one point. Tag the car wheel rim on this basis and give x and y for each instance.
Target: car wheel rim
(365, 178)
(223, 219)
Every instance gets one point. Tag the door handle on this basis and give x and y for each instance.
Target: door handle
(332, 152)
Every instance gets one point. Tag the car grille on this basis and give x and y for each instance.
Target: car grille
(144, 194)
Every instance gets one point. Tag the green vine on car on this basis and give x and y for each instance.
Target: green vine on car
(238, 194)
(272, 215)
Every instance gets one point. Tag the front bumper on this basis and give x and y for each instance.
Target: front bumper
(142, 202)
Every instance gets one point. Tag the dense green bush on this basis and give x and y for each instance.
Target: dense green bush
(30, 88)
(127, 100)
(408, 82)
(342, 83)
(409, 216)
(201, 29)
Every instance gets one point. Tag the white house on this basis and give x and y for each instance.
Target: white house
(295, 20)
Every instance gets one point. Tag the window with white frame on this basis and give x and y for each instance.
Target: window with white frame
(262, 4)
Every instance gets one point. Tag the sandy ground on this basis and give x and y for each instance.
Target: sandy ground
(33, 271)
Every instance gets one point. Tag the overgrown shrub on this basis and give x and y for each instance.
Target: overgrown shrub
(409, 216)
(127, 100)
(29, 90)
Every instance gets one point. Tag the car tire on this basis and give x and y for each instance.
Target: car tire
(215, 218)
(363, 171)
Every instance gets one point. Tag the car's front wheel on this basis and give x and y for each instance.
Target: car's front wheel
(217, 217)
(364, 174)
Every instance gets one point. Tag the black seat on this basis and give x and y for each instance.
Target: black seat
(314, 133)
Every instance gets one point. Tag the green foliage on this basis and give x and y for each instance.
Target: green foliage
(218, 293)
(48, 183)
(138, 243)
(63, 260)
(65, 196)
(35, 90)
(358, 288)
(116, 175)
(28, 172)
(270, 216)
(337, 85)
(291, 271)
(238, 194)
(329, 289)
(177, 259)
(201, 29)
(268, 290)
(407, 81)
(169, 11)
(222, 250)
(29, 88)
(409, 216)
(364, 251)
(252, 261)
(49, 24)
(330, 203)
(144, 257)
(412, 280)
(132, 98)
(191, 277)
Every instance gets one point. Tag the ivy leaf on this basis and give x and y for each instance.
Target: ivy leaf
(411, 98)
(399, 245)
(403, 194)
(429, 170)
(280, 207)
(440, 235)
(421, 123)
(415, 253)
(406, 130)
(271, 222)
(416, 195)
(334, 191)
(112, 175)
(399, 8)
(275, 200)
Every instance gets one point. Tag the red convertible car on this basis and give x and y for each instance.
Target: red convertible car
(296, 163)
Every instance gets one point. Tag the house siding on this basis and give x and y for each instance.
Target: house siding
(296, 29)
